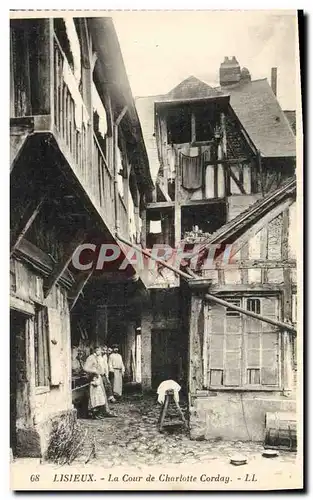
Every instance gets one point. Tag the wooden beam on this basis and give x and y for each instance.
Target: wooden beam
(253, 264)
(61, 266)
(161, 186)
(78, 288)
(30, 214)
(234, 289)
(121, 116)
(208, 201)
(160, 205)
(227, 161)
(237, 181)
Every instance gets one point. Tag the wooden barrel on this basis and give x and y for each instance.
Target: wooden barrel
(281, 431)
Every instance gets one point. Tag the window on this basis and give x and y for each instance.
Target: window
(196, 124)
(254, 305)
(42, 363)
(243, 351)
(230, 312)
(179, 126)
(204, 125)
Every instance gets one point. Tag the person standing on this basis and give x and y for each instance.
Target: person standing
(116, 366)
(98, 402)
(105, 376)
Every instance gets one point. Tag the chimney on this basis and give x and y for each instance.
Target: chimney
(245, 75)
(229, 71)
(274, 80)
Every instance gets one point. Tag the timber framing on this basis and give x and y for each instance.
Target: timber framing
(162, 189)
(61, 266)
(30, 214)
(253, 264)
(212, 298)
(228, 161)
(236, 180)
(39, 260)
(78, 287)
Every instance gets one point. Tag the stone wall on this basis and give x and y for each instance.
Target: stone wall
(41, 403)
(234, 416)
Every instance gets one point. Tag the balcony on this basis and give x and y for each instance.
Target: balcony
(51, 106)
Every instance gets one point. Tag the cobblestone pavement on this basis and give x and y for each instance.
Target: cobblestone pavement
(133, 439)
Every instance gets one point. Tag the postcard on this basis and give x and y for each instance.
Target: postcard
(155, 250)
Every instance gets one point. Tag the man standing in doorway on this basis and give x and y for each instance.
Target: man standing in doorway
(116, 366)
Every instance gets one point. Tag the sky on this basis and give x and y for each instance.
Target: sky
(162, 48)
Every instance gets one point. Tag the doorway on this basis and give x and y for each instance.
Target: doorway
(18, 377)
(168, 356)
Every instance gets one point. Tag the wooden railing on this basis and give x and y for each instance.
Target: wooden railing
(103, 182)
(69, 121)
(70, 114)
(72, 123)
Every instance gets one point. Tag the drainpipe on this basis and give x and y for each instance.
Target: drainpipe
(115, 172)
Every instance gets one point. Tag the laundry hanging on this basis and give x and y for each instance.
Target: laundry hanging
(192, 171)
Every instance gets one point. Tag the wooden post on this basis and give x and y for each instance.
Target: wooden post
(52, 63)
(193, 128)
(287, 295)
(78, 287)
(196, 329)
(263, 252)
(224, 152)
(177, 206)
(143, 235)
(146, 348)
(287, 363)
(205, 350)
(260, 169)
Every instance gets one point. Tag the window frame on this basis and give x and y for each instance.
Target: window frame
(193, 131)
(244, 367)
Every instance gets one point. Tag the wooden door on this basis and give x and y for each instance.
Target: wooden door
(166, 363)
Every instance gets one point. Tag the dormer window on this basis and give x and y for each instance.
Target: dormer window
(186, 124)
(179, 125)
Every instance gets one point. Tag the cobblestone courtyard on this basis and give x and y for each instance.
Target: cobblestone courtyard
(133, 439)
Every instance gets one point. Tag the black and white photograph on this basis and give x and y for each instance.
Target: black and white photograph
(155, 251)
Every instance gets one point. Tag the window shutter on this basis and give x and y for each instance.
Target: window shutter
(55, 346)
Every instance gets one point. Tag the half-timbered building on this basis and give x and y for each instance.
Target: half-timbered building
(223, 159)
(79, 175)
